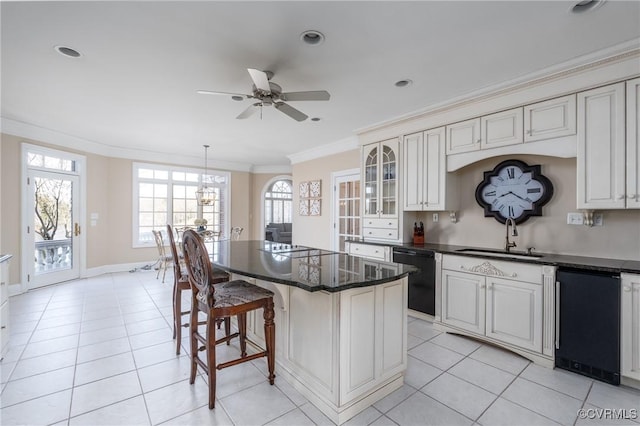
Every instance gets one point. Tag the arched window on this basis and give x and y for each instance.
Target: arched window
(278, 202)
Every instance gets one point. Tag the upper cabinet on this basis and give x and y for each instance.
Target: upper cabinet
(601, 148)
(463, 136)
(550, 119)
(380, 191)
(501, 129)
(425, 172)
(380, 177)
(633, 144)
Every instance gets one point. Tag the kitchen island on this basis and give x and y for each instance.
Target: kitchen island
(341, 320)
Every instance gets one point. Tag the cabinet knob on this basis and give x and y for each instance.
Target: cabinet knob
(479, 140)
(482, 286)
(462, 267)
(530, 131)
(514, 275)
(620, 197)
(627, 288)
(390, 234)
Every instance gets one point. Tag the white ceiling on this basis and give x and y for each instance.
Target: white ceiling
(134, 88)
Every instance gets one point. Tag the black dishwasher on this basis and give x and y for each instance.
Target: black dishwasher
(422, 285)
(588, 321)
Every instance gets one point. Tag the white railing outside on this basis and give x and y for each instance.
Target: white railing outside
(51, 255)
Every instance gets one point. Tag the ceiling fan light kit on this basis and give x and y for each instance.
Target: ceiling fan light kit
(270, 94)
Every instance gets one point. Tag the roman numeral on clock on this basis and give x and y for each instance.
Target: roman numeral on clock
(490, 194)
(533, 190)
(511, 212)
(511, 173)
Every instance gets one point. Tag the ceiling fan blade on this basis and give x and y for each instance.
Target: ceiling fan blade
(211, 92)
(290, 111)
(314, 95)
(260, 79)
(249, 111)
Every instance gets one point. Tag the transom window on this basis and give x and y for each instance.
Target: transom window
(164, 194)
(278, 202)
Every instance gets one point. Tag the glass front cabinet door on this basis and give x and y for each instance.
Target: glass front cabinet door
(380, 177)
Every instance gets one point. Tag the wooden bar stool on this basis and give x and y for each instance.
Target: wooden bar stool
(220, 301)
(181, 283)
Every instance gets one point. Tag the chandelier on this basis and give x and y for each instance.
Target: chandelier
(205, 195)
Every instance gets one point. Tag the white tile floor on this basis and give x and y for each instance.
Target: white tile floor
(99, 352)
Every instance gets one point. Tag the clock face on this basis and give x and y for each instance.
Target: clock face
(514, 190)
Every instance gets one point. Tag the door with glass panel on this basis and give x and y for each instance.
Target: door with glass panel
(347, 209)
(51, 249)
(380, 179)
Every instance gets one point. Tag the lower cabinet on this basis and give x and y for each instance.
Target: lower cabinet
(630, 326)
(503, 301)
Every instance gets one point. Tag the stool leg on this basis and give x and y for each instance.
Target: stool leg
(177, 317)
(242, 331)
(270, 338)
(211, 358)
(193, 329)
(227, 328)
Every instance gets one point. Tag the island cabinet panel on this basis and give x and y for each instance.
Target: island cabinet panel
(372, 355)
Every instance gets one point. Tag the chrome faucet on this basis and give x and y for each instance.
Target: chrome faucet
(514, 232)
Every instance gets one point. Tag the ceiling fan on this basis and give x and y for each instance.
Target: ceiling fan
(268, 93)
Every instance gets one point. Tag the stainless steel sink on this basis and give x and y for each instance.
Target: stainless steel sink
(499, 253)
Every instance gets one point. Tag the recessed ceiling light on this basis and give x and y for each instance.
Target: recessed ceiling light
(312, 37)
(586, 6)
(315, 119)
(67, 51)
(403, 83)
(237, 98)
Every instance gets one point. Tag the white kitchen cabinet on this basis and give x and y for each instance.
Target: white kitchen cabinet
(514, 312)
(500, 300)
(380, 176)
(501, 129)
(630, 326)
(601, 148)
(463, 136)
(550, 119)
(4, 305)
(426, 184)
(463, 300)
(633, 144)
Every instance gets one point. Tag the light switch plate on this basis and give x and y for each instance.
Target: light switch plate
(597, 219)
(435, 217)
(575, 219)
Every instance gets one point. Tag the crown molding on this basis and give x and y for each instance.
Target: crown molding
(53, 137)
(343, 145)
(581, 64)
(286, 169)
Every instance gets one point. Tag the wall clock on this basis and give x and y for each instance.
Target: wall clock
(515, 190)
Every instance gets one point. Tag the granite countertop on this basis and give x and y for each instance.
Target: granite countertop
(560, 260)
(308, 268)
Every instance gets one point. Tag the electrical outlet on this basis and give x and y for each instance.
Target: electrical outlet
(575, 219)
(435, 217)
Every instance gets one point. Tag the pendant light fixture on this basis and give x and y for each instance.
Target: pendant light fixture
(205, 195)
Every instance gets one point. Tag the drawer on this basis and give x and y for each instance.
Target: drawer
(492, 267)
(370, 251)
(380, 223)
(381, 233)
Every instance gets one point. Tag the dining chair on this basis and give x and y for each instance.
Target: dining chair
(180, 284)
(237, 298)
(163, 258)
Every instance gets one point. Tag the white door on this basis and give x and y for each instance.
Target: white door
(52, 220)
(346, 202)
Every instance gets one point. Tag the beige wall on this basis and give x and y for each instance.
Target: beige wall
(618, 238)
(315, 231)
(109, 194)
